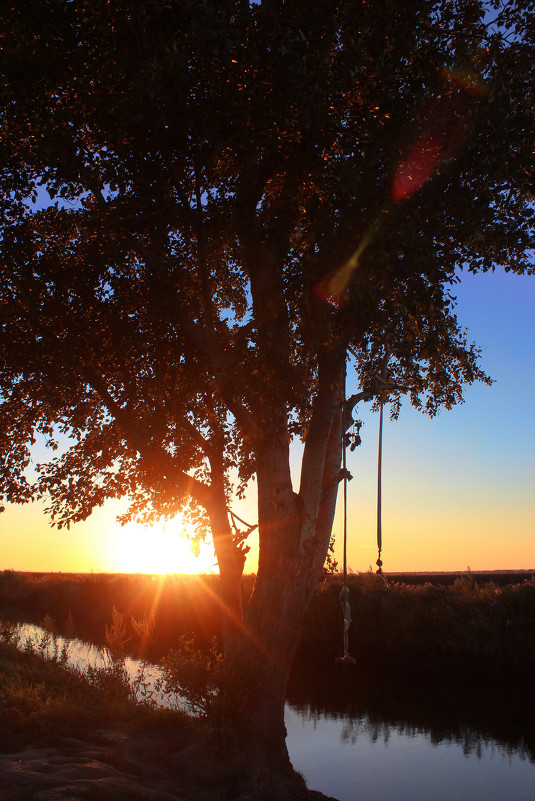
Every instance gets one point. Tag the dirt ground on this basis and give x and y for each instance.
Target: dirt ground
(114, 766)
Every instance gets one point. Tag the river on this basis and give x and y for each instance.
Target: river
(369, 735)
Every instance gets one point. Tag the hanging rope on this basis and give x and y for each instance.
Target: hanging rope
(379, 562)
(382, 379)
(344, 593)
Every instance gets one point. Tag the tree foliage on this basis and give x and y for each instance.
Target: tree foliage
(235, 195)
(184, 144)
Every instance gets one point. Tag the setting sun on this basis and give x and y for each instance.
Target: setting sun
(165, 547)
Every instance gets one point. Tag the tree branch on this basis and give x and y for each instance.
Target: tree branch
(225, 373)
(250, 187)
(158, 461)
(328, 397)
(153, 456)
(202, 337)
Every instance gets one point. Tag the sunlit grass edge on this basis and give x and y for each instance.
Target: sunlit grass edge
(42, 702)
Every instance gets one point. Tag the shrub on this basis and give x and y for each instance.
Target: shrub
(191, 675)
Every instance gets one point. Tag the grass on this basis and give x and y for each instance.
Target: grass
(464, 625)
(42, 702)
(485, 629)
(82, 604)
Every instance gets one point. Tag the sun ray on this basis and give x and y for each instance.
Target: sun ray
(162, 548)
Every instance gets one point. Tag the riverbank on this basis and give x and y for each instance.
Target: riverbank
(62, 737)
(73, 736)
(87, 741)
(468, 626)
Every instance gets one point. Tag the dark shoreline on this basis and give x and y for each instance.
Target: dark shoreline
(512, 574)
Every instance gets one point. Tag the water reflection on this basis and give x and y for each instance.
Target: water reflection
(373, 734)
(81, 655)
(386, 734)
(468, 711)
(400, 767)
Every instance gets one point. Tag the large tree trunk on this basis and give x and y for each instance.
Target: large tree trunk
(258, 665)
(294, 529)
(230, 561)
(256, 681)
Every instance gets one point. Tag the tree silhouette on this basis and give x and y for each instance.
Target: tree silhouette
(238, 194)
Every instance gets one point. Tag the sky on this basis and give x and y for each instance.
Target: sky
(458, 490)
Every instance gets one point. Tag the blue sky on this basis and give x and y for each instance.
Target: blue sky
(459, 489)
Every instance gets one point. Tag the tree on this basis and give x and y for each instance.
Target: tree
(240, 193)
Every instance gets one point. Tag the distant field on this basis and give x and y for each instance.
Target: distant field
(445, 579)
(441, 578)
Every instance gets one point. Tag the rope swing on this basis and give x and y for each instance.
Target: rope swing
(382, 379)
(379, 562)
(344, 593)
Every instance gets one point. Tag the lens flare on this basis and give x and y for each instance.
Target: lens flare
(420, 164)
(333, 287)
(466, 81)
(447, 121)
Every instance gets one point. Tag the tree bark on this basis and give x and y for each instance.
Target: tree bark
(257, 674)
(230, 563)
(294, 529)
(258, 665)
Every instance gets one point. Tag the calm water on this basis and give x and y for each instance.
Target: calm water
(355, 759)
(369, 736)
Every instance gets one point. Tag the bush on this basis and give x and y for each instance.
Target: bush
(462, 624)
(191, 675)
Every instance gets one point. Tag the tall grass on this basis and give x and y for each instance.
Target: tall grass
(464, 624)
(44, 699)
(84, 603)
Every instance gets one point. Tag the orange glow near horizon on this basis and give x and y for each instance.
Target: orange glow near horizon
(423, 531)
(99, 544)
(159, 549)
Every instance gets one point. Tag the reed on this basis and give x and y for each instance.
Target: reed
(464, 624)
(42, 702)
